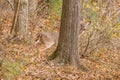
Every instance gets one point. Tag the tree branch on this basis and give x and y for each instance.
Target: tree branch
(15, 16)
(11, 5)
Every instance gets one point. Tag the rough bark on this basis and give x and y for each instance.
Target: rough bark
(67, 50)
(20, 21)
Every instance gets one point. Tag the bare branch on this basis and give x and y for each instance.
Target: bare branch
(15, 16)
(11, 5)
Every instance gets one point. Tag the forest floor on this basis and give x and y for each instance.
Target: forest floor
(22, 61)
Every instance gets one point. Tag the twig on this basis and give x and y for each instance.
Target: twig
(11, 5)
(15, 16)
(88, 43)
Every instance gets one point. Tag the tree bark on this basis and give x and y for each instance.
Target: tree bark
(67, 50)
(20, 21)
(32, 7)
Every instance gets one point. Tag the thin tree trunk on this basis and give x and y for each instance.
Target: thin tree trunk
(20, 21)
(32, 7)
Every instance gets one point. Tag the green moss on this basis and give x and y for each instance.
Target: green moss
(55, 6)
(11, 70)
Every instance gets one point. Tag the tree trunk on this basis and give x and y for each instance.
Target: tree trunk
(32, 7)
(67, 50)
(20, 21)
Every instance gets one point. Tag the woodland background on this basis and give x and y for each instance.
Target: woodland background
(99, 43)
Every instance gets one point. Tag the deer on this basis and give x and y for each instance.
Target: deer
(50, 38)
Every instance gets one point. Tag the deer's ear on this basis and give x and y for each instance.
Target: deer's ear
(87, 25)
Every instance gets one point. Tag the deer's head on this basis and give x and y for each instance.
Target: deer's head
(84, 26)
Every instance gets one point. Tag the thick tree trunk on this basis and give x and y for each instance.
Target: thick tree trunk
(20, 22)
(67, 50)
